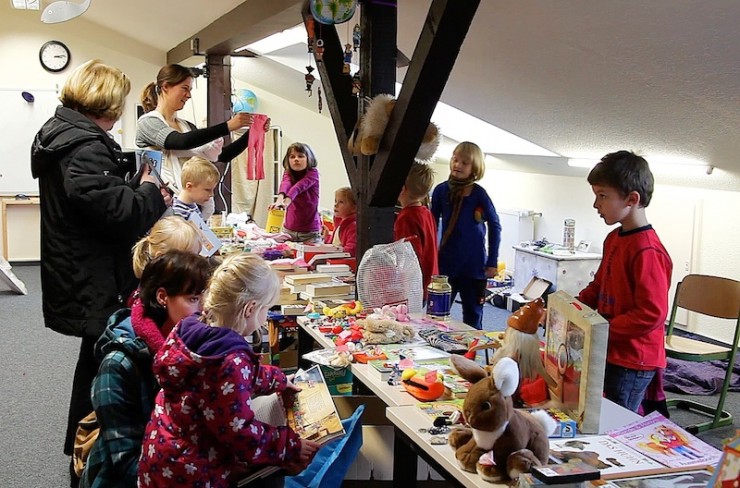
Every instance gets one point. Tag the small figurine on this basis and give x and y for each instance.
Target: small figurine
(309, 80)
(319, 50)
(356, 35)
(347, 58)
(321, 101)
(310, 31)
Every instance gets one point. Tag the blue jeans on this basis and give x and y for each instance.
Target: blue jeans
(626, 387)
(473, 296)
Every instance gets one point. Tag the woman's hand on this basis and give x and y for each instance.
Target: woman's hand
(267, 124)
(146, 176)
(166, 195)
(242, 119)
(491, 272)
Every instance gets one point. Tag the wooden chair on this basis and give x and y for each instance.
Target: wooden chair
(717, 297)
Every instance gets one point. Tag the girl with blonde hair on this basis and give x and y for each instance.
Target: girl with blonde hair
(203, 428)
(168, 234)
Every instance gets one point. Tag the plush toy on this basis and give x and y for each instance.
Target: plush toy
(517, 439)
(369, 130)
(522, 344)
(384, 331)
(344, 310)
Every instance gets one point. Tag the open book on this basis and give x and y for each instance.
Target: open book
(313, 415)
(209, 242)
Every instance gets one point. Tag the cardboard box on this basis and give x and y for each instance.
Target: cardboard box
(534, 289)
(339, 380)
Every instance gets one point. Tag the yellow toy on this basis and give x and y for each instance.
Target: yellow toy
(343, 310)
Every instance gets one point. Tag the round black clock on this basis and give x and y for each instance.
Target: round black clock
(54, 56)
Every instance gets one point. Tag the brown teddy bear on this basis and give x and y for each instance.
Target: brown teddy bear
(384, 331)
(517, 439)
(369, 130)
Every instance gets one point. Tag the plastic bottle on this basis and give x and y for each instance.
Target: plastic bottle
(439, 298)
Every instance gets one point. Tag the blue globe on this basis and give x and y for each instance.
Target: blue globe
(245, 101)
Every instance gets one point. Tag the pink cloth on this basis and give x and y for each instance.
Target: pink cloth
(256, 148)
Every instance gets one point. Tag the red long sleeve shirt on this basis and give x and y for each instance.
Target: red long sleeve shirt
(630, 290)
(419, 221)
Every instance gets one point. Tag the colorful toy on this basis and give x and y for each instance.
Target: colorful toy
(344, 310)
(384, 331)
(517, 438)
(425, 386)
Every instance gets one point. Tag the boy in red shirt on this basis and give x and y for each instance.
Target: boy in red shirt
(416, 222)
(630, 288)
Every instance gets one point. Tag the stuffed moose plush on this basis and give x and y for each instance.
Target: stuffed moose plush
(517, 439)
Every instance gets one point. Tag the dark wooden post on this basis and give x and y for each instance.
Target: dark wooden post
(378, 73)
(219, 110)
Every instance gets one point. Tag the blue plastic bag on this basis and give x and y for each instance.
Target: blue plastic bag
(330, 465)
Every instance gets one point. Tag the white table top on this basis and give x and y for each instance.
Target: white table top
(409, 419)
(560, 257)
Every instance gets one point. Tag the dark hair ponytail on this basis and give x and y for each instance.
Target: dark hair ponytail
(172, 74)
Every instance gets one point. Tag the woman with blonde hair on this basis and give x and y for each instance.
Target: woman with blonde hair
(90, 217)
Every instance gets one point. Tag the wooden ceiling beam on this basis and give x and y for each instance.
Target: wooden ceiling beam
(246, 23)
(439, 44)
(337, 90)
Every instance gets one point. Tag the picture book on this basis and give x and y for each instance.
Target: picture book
(382, 368)
(575, 357)
(442, 408)
(151, 159)
(727, 472)
(313, 415)
(565, 426)
(209, 242)
(664, 441)
(527, 480)
(571, 472)
(608, 455)
(690, 479)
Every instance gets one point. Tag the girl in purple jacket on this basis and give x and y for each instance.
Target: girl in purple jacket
(299, 194)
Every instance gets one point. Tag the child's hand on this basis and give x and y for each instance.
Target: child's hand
(289, 393)
(286, 201)
(308, 450)
(278, 202)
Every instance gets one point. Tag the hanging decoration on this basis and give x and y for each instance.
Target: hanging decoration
(332, 12)
(319, 50)
(309, 79)
(310, 31)
(321, 101)
(356, 35)
(347, 58)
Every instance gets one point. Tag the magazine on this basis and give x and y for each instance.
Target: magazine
(444, 408)
(313, 415)
(664, 441)
(608, 455)
(575, 357)
(690, 479)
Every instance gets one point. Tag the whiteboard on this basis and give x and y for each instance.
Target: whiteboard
(19, 123)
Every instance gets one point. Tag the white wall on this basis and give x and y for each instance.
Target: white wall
(22, 34)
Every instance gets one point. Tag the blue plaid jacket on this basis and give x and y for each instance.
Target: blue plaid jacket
(123, 397)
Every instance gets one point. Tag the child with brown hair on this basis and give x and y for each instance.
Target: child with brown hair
(416, 222)
(203, 428)
(345, 221)
(199, 180)
(630, 288)
(299, 194)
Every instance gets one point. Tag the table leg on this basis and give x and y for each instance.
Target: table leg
(404, 461)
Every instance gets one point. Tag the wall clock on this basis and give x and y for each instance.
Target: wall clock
(54, 56)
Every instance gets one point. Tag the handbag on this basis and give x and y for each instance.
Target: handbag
(87, 432)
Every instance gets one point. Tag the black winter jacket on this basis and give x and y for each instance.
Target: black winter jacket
(90, 219)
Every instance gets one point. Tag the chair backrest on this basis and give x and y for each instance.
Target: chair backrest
(710, 295)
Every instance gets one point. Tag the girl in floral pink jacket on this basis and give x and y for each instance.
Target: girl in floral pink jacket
(203, 430)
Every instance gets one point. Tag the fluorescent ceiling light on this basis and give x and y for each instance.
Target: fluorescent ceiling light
(658, 164)
(277, 41)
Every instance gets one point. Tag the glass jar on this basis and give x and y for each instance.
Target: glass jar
(439, 298)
